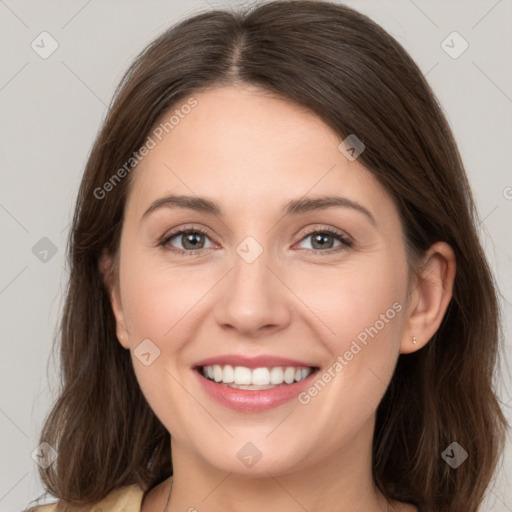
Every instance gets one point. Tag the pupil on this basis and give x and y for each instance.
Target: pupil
(192, 238)
(318, 239)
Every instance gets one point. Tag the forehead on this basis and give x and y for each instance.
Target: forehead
(249, 150)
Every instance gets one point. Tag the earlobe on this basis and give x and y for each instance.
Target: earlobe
(109, 270)
(430, 297)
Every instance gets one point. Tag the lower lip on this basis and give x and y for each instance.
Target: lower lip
(250, 400)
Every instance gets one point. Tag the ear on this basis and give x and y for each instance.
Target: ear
(431, 293)
(109, 269)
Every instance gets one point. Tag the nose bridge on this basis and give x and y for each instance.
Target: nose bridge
(252, 297)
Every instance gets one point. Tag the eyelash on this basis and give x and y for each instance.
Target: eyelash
(346, 242)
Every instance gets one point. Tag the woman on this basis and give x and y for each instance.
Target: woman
(277, 296)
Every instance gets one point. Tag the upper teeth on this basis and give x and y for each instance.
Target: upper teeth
(255, 376)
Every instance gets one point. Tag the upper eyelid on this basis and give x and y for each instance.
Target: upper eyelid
(185, 229)
(319, 228)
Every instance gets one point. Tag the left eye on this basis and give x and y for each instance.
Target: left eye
(324, 240)
(190, 240)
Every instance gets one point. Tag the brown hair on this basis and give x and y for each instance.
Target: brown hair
(358, 80)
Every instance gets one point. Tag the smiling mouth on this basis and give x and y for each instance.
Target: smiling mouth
(242, 377)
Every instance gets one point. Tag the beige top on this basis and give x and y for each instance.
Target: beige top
(124, 499)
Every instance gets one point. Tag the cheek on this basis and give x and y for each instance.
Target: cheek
(358, 300)
(158, 303)
(360, 308)
(162, 303)
(159, 300)
(363, 304)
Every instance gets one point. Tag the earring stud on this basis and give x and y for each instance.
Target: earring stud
(414, 339)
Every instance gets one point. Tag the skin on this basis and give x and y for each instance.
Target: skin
(252, 152)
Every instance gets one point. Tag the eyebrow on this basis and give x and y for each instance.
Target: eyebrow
(293, 207)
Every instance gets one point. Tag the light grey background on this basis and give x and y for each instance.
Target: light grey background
(52, 108)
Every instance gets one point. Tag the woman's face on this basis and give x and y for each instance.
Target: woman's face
(257, 284)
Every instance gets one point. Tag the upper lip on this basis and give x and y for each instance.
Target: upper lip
(252, 362)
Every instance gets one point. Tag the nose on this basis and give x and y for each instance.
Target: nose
(253, 299)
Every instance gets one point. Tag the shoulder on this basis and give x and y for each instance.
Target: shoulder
(124, 499)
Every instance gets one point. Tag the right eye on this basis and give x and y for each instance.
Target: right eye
(192, 241)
